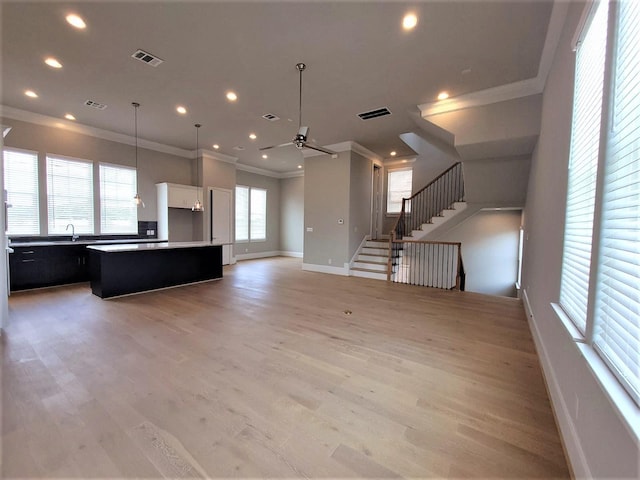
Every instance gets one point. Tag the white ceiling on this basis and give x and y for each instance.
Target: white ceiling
(358, 58)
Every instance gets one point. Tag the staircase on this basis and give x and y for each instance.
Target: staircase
(435, 222)
(372, 260)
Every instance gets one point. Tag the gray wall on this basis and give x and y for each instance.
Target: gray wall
(272, 186)
(326, 199)
(153, 167)
(599, 444)
(292, 214)
(497, 182)
(359, 201)
(490, 241)
(219, 174)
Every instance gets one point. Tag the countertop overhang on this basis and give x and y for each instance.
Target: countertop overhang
(135, 247)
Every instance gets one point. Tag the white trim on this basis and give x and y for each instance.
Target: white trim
(45, 120)
(312, 267)
(293, 174)
(587, 14)
(217, 156)
(576, 457)
(252, 256)
(290, 254)
(257, 171)
(523, 88)
(396, 162)
(358, 250)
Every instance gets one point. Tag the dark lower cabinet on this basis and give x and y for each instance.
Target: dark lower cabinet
(45, 266)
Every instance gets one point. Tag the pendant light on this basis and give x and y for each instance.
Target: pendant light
(137, 199)
(197, 206)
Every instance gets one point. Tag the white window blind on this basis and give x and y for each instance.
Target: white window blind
(69, 195)
(118, 211)
(617, 312)
(583, 167)
(21, 184)
(398, 187)
(258, 230)
(242, 214)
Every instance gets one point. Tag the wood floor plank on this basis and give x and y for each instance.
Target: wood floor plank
(265, 373)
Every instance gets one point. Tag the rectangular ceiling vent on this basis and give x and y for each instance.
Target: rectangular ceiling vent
(147, 58)
(91, 103)
(379, 112)
(271, 117)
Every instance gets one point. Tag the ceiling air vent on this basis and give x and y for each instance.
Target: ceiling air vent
(379, 112)
(147, 58)
(271, 117)
(91, 103)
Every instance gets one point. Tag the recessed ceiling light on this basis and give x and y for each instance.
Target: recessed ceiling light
(299, 166)
(409, 21)
(265, 156)
(76, 21)
(253, 136)
(393, 154)
(52, 62)
(68, 116)
(216, 146)
(231, 96)
(181, 110)
(31, 93)
(443, 96)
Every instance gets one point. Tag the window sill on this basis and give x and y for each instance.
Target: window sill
(622, 403)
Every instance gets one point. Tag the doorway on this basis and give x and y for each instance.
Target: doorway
(376, 202)
(220, 220)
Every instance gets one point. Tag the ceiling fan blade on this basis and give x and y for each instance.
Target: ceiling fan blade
(276, 146)
(318, 148)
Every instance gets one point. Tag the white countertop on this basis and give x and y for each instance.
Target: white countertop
(50, 243)
(133, 247)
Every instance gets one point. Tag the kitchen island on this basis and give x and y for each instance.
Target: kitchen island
(124, 269)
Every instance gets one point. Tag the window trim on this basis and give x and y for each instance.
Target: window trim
(249, 238)
(386, 203)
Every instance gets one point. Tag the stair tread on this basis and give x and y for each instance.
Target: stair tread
(360, 269)
(370, 262)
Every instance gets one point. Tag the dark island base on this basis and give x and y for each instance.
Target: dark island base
(122, 273)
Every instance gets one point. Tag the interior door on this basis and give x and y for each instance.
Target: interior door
(220, 220)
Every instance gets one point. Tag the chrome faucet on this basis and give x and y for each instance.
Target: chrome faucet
(74, 237)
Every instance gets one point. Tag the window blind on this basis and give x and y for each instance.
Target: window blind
(399, 186)
(118, 211)
(258, 209)
(242, 214)
(69, 195)
(21, 184)
(583, 167)
(617, 312)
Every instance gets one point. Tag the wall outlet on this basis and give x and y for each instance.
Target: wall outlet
(246, 250)
(309, 229)
(150, 232)
(329, 261)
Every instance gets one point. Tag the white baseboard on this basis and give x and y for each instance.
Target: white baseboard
(570, 439)
(252, 256)
(311, 267)
(291, 254)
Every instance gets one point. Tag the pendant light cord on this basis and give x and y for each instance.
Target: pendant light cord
(197, 125)
(135, 122)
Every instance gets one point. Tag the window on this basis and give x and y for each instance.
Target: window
(600, 285)
(21, 184)
(118, 211)
(251, 214)
(69, 195)
(398, 187)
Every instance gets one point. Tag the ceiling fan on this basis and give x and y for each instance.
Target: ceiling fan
(300, 140)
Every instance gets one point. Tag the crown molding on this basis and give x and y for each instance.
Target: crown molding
(258, 171)
(211, 155)
(296, 173)
(47, 121)
(510, 91)
(350, 146)
(397, 162)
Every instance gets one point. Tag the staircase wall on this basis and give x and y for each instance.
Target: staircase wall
(490, 241)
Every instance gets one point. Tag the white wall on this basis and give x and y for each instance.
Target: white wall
(490, 241)
(597, 440)
(292, 215)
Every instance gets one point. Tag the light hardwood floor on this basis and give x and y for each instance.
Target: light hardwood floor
(263, 374)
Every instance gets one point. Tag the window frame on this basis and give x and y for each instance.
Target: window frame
(250, 237)
(621, 391)
(37, 191)
(101, 199)
(92, 219)
(388, 190)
